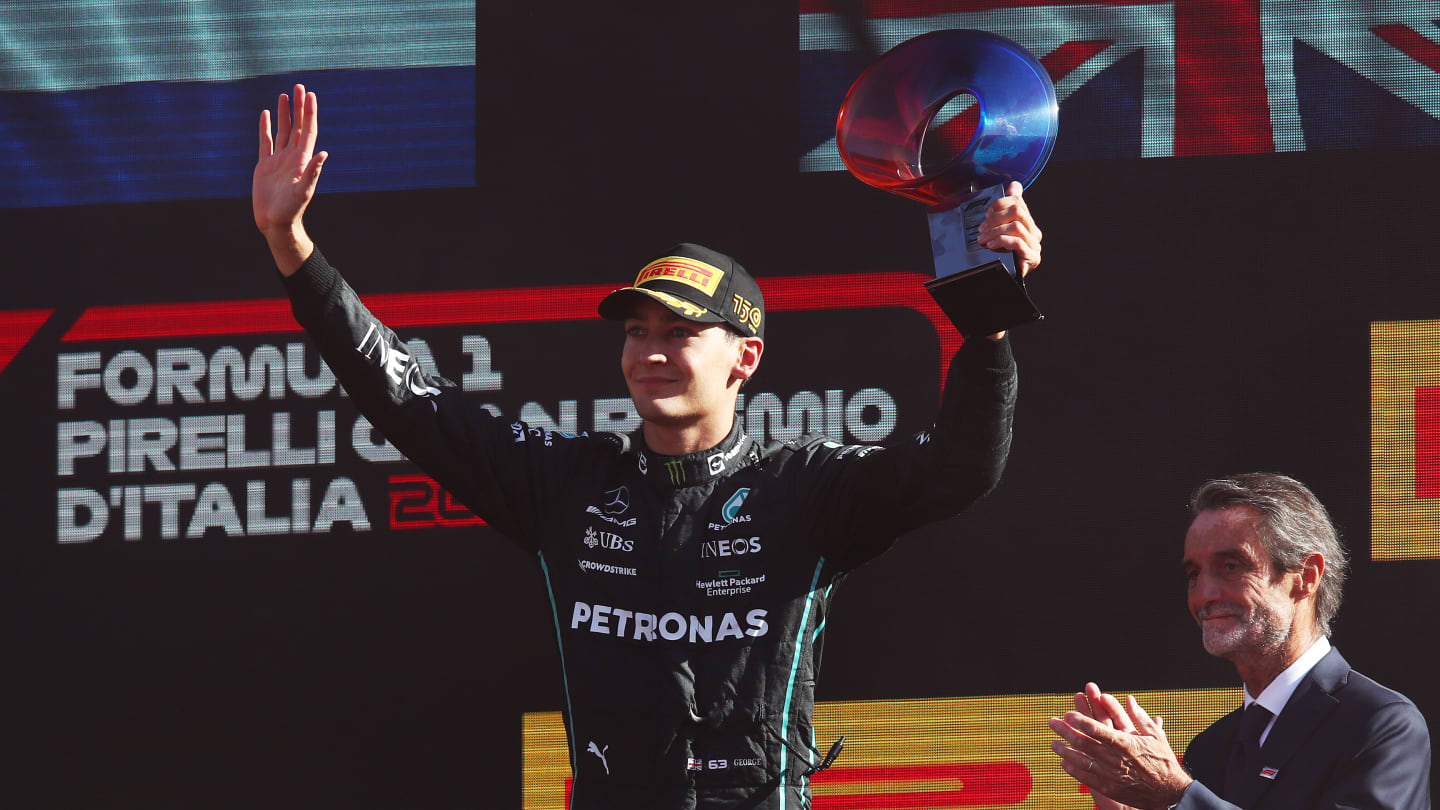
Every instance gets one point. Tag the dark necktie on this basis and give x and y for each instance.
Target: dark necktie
(1245, 756)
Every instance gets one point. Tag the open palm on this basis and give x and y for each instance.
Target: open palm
(287, 170)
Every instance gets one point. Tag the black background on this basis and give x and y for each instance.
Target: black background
(1206, 316)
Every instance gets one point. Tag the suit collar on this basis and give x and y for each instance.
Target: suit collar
(737, 451)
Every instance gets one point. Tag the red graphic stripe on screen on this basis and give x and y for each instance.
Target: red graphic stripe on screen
(254, 317)
(16, 329)
(1427, 442)
(520, 305)
(1221, 106)
(1412, 44)
(863, 291)
(987, 784)
(983, 784)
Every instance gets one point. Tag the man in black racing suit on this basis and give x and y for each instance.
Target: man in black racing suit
(689, 566)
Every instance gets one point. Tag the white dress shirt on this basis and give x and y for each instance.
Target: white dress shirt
(1277, 694)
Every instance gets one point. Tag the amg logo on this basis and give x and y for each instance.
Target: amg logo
(729, 548)
(597, 513)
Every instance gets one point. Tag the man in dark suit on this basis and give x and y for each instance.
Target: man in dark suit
(1265, 569)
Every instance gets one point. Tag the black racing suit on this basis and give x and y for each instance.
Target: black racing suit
(689, 593)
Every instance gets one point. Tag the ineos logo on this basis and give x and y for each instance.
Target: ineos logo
(730, 548)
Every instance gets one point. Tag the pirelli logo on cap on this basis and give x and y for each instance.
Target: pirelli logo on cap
(697, 274)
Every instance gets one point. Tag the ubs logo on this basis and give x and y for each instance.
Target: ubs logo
(613, 542)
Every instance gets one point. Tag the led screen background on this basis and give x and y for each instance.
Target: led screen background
(1152, 79)
(1208, 312)
(133, 101)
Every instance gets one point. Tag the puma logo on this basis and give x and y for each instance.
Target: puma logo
(600, 752)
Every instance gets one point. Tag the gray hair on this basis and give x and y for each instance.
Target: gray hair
(1294, 525)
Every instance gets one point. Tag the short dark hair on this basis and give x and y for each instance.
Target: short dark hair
(1294, 525)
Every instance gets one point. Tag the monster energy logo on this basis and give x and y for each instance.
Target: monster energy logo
(676, 470)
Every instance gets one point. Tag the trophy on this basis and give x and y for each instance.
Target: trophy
(905, 128)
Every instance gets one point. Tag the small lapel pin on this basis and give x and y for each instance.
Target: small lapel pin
(1269, 773)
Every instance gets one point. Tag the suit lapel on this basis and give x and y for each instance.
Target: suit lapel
(1312, 701)
(1208, 752)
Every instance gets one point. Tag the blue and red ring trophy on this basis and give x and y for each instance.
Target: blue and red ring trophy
(897, 131)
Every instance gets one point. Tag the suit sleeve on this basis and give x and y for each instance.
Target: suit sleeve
(498, 470)
(1200, 797)
(865, 497)
(1391, 771)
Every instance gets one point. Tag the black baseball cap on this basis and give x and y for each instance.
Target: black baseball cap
(698, 284)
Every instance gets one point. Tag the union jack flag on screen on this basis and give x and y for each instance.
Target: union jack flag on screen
(1154, 79)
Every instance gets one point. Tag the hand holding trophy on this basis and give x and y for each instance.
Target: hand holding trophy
(901, 129)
